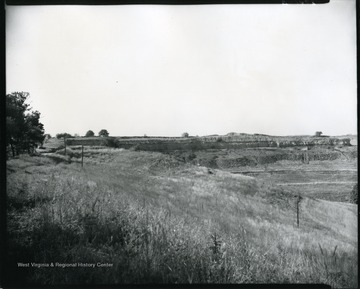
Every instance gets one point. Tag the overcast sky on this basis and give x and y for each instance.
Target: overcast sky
(207, 69)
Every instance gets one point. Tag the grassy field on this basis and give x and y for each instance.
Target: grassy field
(156, 218)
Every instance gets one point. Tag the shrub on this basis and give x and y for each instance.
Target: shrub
(191, 156)
(135, 148)
(112, 142)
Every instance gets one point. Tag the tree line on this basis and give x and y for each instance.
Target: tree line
(89, 133)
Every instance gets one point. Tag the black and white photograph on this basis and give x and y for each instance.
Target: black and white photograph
(181, 144)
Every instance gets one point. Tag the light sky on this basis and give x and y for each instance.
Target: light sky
(163, 70)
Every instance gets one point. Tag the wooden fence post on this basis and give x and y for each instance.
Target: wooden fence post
(65, 144)
(82, 155)
(297, 209)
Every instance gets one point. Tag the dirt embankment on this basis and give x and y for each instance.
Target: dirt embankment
(233, 151)
(169, 144)
(254, 159)
(228, 159)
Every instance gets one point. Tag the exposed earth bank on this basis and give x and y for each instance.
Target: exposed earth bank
(235, 150)
(321, 167)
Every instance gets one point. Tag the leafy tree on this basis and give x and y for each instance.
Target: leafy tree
(24, 131)
(89, 133)
(103, 132)
(185, 134)
(35, 130)
(63, 135)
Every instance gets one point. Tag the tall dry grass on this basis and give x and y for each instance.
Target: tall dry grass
(158, 220)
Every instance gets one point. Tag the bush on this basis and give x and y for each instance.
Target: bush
(135, 148)
(191, 156)
(112, 142)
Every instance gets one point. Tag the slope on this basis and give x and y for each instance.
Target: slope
(158, 219)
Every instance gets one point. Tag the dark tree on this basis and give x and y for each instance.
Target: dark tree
(103, 132)
(89, 133)
(24, 131)
(63, 135)
(35, 129)
(185, 134)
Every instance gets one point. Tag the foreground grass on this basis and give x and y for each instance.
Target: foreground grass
(159, 220)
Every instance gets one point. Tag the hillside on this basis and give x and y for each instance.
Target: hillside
(233, 141)
(159, 219)
(321, 167)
